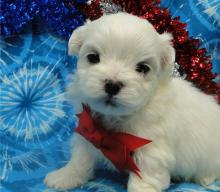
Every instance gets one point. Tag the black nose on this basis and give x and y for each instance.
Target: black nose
(112, 88)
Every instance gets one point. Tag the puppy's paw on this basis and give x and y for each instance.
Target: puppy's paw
(63, 178)
(142, 188)
(204, 181)
(148, 189)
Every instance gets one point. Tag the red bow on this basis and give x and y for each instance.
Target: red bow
(117, 147)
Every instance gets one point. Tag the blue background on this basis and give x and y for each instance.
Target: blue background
(36, 120)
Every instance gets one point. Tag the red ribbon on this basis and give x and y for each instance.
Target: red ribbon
(116, 146)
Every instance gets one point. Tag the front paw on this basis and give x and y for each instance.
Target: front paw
(141, 187)
(64, 178)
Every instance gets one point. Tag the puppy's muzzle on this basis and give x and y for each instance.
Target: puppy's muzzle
(113, 88)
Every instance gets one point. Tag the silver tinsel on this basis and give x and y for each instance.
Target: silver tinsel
(108, 7)
(176, 73)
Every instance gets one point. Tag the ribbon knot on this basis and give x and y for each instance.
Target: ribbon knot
(116, 146)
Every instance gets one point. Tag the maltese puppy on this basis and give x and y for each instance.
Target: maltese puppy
(124, 74)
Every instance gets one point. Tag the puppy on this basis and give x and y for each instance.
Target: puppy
(144, 100)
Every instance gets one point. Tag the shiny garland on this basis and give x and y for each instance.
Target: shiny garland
(194, 61)
(15, 14)
(61, 16)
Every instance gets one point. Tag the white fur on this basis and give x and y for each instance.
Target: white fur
(182, 122)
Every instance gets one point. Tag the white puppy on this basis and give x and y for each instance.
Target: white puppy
(124, 73)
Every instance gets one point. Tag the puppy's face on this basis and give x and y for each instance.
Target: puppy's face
(122, 61)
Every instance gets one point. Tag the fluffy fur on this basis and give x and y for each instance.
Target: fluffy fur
(182, 122)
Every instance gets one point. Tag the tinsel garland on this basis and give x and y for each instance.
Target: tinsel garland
(15, 14)
(193, 60)
(62, 17)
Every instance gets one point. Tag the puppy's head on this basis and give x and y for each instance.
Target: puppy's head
(122, 62)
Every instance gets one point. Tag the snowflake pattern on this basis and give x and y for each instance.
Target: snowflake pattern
(36, 120)
(31, 100)
(211, 8)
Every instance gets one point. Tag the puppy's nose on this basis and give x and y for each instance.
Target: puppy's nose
(112, 88)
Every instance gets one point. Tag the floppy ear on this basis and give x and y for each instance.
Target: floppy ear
(76, 40)
(168, 52)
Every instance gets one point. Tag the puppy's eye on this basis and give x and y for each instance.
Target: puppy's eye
(142, 67)
(93, 58)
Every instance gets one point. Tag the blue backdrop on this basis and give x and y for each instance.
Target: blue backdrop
(36, 121)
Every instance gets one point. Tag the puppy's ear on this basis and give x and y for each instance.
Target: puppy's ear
(168, 52)
(76, 40)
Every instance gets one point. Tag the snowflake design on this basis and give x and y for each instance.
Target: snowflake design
(35, 117)
(212, 9)
(27, 161)
(31, 100)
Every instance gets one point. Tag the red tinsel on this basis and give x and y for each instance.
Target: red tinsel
(193, 61)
